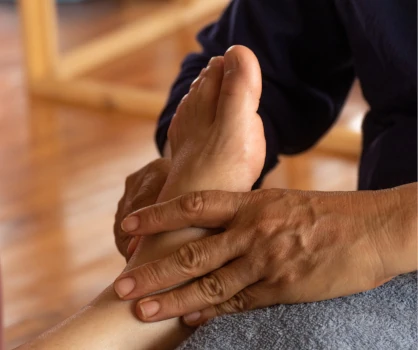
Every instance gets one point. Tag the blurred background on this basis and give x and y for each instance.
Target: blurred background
(63, 165)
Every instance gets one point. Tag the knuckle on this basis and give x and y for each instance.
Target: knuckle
(265, 224)
(146, 196)
(129, 180)
(176, 300)
(163, 166)
(290, 277)
(256, 265)
(241, 302)
(192, 204)
(158, 163)
(280, 254)
(152, 276)
(133, 179)
(190, 258)
(212, 289)
(156, 215)
(156, 170)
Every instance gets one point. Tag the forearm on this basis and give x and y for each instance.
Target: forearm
(399, 249)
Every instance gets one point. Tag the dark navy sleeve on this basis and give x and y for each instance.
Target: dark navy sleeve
(305, 61)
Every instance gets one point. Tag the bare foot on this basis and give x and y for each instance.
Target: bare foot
(216, 136)
(217, 141)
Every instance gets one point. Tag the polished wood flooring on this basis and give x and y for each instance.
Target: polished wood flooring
(62, 169)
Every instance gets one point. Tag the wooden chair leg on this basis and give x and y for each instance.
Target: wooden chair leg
(39, 37)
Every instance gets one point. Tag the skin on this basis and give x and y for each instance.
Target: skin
(278, 246)
(142, 189)
(201, 159)
(215, 137)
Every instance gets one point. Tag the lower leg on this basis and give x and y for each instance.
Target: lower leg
(107, 322)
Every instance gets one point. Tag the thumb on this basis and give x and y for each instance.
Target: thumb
(205, 209)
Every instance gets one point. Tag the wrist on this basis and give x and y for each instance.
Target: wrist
(399, 229)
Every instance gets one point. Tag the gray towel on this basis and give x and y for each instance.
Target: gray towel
(383, 318)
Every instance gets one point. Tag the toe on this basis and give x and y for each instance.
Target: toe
(187, 105)
(241, 86)
(208, 92)
(184, 119)
(195, 84)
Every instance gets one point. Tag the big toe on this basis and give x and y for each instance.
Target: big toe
(241, 86)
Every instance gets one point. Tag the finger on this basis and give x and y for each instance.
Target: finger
(215, 288)
(152, 183)
(147, 195)
(122, 239)
(207, 209)
(148, 192)
(136, 197)
(133, 244)
(192, 260)
(124, 207)
(253, 297)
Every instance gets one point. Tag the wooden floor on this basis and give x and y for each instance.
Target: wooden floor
(62, 170)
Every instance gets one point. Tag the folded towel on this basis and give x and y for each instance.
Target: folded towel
(381, 319)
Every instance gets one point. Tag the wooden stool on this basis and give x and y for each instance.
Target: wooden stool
(57, 76)
(54, 75)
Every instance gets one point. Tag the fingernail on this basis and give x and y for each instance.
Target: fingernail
(149, 308)
(193, 317)
(124, 286)
(130, 224)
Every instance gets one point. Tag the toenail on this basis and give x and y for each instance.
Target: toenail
(215, 61)
(184, 98)
(195, 81)
(211, 61)
(202, 72)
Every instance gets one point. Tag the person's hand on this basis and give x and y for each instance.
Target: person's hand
(278, 246)
(141, 189)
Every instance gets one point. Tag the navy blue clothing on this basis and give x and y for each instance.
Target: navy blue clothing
(309, 52)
